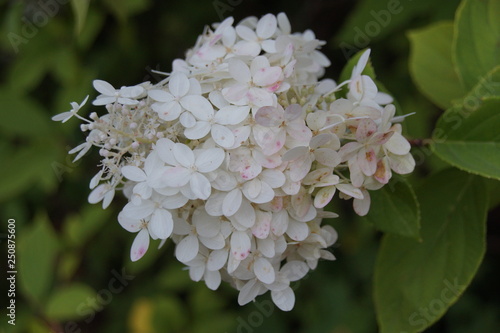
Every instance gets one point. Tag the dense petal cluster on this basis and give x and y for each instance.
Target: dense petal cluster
(235, 154)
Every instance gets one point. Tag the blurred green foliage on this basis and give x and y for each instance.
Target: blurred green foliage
(74, 270)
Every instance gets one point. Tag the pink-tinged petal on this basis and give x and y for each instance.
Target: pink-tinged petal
(239, 71)
(140, 245)
(259, 97)
(362, 206)
(232, 202)
(284, 299)
(248, 292)
(209, 159)
(267, 76)
(262, 224)
(327, 157)
(240, 245)
(269, 139)
(232, 115)
(236, 93)
(184, 155)
(349, 150)
(161, 223)
(187, 249)
(398, 145)
(104, 87)
(138, 212)
(212, 279)
(300, 167)
(198, 131)
(270, 161)
(367, 161)
(129, 224)
(133, 173)
(176, 176)
(269, 116)
(161, 96)
(299, 132)
(199, 106)
(293, 111)
(217, 259)
(200, 186)
(366, 128)
(178, 84)
(222, 135)
(279, 222)
(264, 270)
(267, 26)
(297, 231)
(383, 173)
(381, 138)
(324, 196)
(350, 190)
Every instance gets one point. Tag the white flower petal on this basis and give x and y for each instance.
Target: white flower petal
(129, 224)
(140, 245)
(187, 249)
(232, 202)
(134, 173)
(267, 26)
(297, 231)
(212, 279)
(178, 84)
(199, 106)
(239, 70)
(161, 223)
(284, 299)
(184, 155)
(240, 245)
(104, 87)
(249, 291)
(198, 131)
(200, 186)
(264, 270)
(217, 259)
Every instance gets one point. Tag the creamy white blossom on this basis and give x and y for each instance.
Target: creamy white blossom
(236, 153)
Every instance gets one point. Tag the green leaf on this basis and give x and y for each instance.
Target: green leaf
(26, 167)
(431, 64)
(371, 20)
(79, 229)
(80, 8)
(38, 247)
(416, 282)
(395, 209)
(469, 139)
(64, 304)
(347, 70)
(21, 116)
(476, 44)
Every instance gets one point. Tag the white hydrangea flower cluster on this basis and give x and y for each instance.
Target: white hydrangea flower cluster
(235, 154)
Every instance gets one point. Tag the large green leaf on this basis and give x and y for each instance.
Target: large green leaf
(66, 302)
(431, 63)
(394, 209)
(80, 9)
(476, 42)
(416, 282)
(38, 248)
(470, 140)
